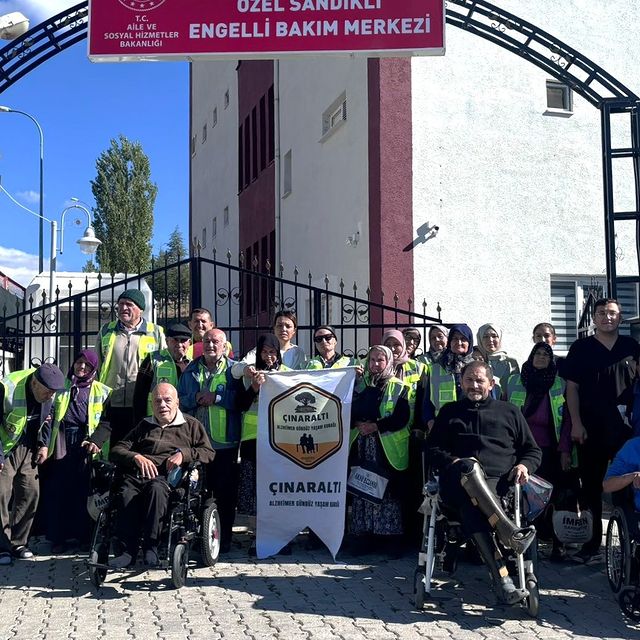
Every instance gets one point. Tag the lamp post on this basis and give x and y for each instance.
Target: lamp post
(88, 243)
(4, 109)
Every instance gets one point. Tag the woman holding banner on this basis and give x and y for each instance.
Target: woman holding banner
(379, 455)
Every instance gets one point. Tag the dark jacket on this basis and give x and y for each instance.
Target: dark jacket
(492, 431)
(159, 443)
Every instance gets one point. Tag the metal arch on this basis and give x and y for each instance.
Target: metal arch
(475, 16)
(44, 41)
(538, 47)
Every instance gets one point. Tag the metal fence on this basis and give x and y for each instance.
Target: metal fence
(243, 299)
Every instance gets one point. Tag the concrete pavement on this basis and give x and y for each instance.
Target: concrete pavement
(305, 595)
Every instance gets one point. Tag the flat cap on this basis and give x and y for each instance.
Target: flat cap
(178, 330)
(50, 376)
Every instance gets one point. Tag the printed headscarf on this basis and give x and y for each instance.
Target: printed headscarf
(455, 362)
(268, 340)
(92, 358)
(379, 378)
(539, 381)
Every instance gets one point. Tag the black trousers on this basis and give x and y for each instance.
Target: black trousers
(122, 421)
(142, 504)
(222, 481)
(593, 459)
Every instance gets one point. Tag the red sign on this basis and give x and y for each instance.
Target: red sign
(184, 29)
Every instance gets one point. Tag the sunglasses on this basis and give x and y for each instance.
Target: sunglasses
(327, 337)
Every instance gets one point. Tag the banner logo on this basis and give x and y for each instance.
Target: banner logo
(305, 425)
(141, 5)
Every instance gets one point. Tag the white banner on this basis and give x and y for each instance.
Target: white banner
(304, 418)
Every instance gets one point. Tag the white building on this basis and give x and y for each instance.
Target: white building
(336, 165)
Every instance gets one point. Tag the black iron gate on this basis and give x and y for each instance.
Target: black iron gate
(242, 298)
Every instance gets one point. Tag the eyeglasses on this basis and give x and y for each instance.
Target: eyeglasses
(411, 338)
(327, 337)
(607, 314)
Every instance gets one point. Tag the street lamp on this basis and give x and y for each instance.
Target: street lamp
(13, 25)
(4, 109)
(88, 243)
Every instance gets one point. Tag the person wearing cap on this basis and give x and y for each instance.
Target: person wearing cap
(26, 402)
(122, 345)
(166, 365)
(79, 430)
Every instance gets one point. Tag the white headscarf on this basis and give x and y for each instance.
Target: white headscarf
(383, 376)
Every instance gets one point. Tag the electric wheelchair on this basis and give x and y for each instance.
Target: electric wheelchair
(191, 519)
(443, 537)
(622, 553)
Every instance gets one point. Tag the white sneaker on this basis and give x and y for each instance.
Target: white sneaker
(120, 562)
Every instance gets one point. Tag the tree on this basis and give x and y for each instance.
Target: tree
(123, 215)
(171, 289)
(305, 398)
(89, 266)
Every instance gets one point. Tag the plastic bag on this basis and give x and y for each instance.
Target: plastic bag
(536, 494)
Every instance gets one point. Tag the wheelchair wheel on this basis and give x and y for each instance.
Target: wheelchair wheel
(532, 601)
(629, 601)
(618, 551)
(99, 553)
(210, 534)
(179, 564)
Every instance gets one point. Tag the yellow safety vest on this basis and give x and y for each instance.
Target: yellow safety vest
(442, 386)
(147, 344)
(318, 363)
(217, 414)
(164, 370)
(394, 443)
(15, 408)
(413, 373)
(517, 395)
(98, 395)
(250, 419)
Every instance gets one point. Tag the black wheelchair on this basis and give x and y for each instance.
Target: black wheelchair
(192, 519)
(622, 554)
(443, 537)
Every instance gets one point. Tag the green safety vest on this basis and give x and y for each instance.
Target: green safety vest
(413, 372)
(217, 414)
(442, 386)
(394, 443)
(164, 370)
(250, 419)
(517, 394)
(15, 408)
(318, 363)
(147, 344)
(98, 395)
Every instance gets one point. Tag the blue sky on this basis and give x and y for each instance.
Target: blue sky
(80, 107)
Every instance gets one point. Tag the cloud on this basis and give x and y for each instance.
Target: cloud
(36, 10)
(18, 265)
(30, 197)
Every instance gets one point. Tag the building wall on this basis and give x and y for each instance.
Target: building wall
(517, 194)
(214, 166)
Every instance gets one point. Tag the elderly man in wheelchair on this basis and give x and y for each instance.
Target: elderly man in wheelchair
(151, 460)
(480, 447)
(622, 553)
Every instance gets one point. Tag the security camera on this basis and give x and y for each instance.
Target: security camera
(13, 25)
(436, 228)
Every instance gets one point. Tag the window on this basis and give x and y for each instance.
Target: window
(204, 238)
(263, 133)
(559, 99)
(226, 98)
(225, 217)
(204, 133)
(215, 116)
(193, 146)
(334, 117)
(271, 154)
(568, 296)
(286, 172)
(214, 228)
(254, 143)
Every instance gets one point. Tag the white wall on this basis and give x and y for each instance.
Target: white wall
(329, 199)
(517, 194)
(214, 168)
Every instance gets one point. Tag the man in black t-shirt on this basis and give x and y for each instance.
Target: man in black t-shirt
(600, 371)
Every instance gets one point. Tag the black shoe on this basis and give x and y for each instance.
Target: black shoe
(58, 548)
(508, 593)
(22, 552)
(286, 550)
(557, 555)
(225, 547)
(587, 557)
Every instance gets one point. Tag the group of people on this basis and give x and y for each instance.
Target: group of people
(153, 401)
